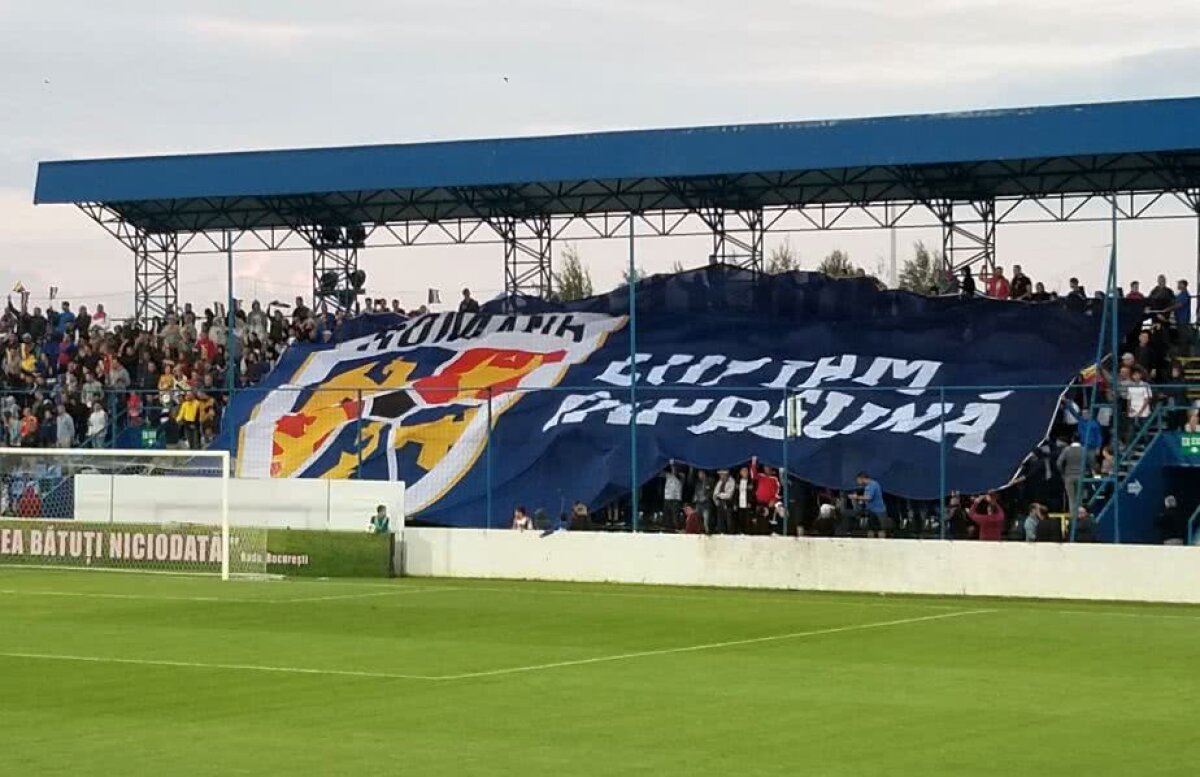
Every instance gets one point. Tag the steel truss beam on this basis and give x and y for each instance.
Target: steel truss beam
(854, 200)
(968, 234)
(528, 264)
(737, 237)
(335, 252)
(155, 276)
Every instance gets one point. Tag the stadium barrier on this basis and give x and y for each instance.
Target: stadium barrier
(1057, 571)
(331, 505)
(191, 548)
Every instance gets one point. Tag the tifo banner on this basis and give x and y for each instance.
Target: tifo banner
(719, 354)
(192, 548)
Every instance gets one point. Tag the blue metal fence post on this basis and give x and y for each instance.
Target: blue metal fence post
(487, 452)
(230, 364)
(1116, 349)
(358, 414)
(787, 430)
(634, 483)
(942, 462)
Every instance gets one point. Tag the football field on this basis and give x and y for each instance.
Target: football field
(109, 673)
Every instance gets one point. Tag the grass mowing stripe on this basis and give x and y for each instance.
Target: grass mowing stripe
(491, 672)
(232, 600)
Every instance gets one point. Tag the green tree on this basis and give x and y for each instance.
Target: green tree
(640, 272)
(783, 258)
(573, 279)
(838, 265)
(923, 272)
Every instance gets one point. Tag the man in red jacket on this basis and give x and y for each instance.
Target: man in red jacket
(766, 494)
(988, 515)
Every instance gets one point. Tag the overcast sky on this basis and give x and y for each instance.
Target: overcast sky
(125, 77)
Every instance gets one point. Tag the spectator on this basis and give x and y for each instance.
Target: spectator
(100, 319)
(188, 416)
(743, 502)
(988, 516)
(702, 498)
(1076, 297)
(879, 523)
(1193, 423)
(1073, 463)
(521, 520)
(29, 428)
(380, 523)
(997, 285)
(1032, 519)
(1183, 305)
(1135, 292)
(1140, 396)
(1021, 287)
(672, 498)
(1083, 527)
(65, 321)
(1039, 293)
(827, 519)
(468, 304)
(1145, 354)
(1161, 299)
(1049, 528)
(766, 494)
(97, 424)
(967, 284)
(723, 495)
(959, 524)
(581, 519)
(64, 428)
(692, 522)
(1172, 523)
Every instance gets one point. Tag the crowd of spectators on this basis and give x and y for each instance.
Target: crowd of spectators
(74, 377)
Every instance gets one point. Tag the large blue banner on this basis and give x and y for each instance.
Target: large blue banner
(730, 366)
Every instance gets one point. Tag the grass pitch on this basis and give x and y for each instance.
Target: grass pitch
(119, 674)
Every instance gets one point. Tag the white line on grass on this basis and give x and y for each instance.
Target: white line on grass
(491, 672)
(230, 667)
(394, 592)
(713, 645)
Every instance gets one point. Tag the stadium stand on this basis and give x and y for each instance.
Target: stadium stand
(74, 377)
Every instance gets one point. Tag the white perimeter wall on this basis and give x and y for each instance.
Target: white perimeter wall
(340, 505)
(1109, 572)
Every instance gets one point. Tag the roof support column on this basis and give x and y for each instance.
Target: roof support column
(334, 264)
(968, 235)
(528, 265)
(1193, 198)
(155, 275)
(737, 237)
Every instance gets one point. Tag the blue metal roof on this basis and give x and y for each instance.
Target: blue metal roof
(490, 174)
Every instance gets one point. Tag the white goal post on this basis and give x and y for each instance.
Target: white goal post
(99, 509)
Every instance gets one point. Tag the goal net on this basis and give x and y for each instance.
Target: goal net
(150, 511)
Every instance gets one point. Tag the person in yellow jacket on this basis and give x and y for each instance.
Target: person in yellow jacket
(188, 416)
(208, 415)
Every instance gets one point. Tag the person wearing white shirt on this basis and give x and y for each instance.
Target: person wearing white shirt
(743, 501)
(96, 425)
(672, 498)
(723, 500)
(1140, 396)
